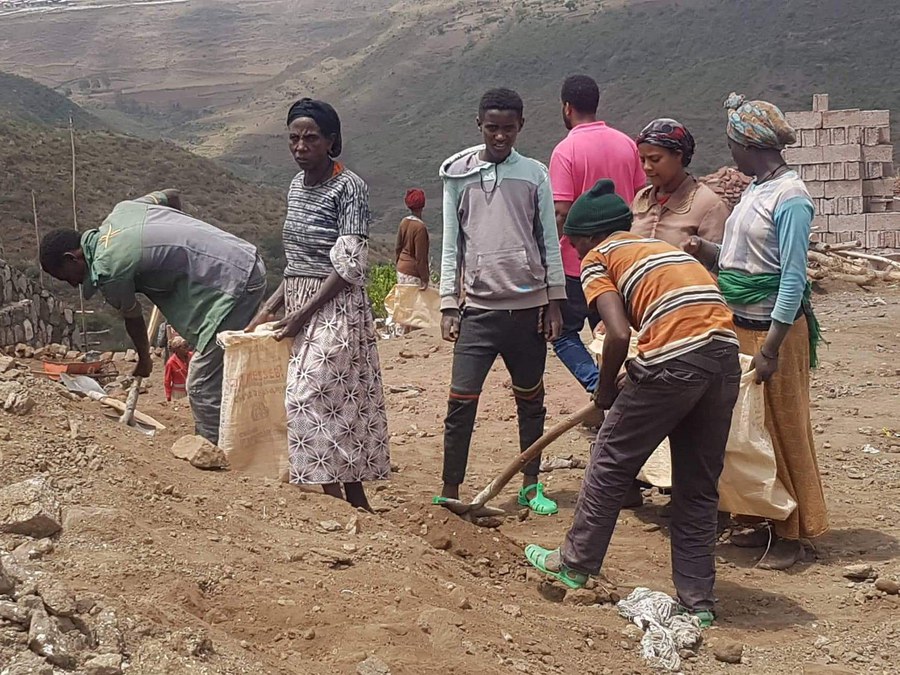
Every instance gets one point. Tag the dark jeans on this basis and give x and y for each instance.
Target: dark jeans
(483, 335)
(568, 347)
(689, 399)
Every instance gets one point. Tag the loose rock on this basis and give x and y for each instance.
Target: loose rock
(199, 452)
(58, 599)
(6, 583)
(859, 572)
(582, 597)
(330, 526)
(727, 651)
(105, 664)
(512, 610)
(372, 666)
(10, 611)
(29, 508)
(28, 663)
(45, 639)
(888, 586)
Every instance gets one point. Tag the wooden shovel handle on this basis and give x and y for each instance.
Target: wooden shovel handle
(531, 452)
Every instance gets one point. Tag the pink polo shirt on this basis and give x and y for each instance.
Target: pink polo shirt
(590, 152)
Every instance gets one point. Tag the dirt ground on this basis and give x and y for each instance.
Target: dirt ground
(216, 572)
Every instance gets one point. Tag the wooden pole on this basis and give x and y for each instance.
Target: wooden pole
(75, 223)
(37, 237)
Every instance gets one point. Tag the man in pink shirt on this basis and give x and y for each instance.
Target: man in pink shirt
(591, 151)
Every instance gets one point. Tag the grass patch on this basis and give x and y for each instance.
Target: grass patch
(381, 282)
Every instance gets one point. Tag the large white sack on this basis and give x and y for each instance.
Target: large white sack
(253, 424)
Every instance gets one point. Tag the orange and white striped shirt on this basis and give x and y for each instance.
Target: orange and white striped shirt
(670, 298)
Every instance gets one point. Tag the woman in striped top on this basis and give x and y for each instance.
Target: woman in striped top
(762, 272)
(683, 384)
(337, 424)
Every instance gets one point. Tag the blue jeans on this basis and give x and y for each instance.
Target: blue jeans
(569, 348)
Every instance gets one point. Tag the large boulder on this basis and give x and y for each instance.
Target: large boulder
(29, 508)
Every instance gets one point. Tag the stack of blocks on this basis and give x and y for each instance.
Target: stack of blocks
(845, 157)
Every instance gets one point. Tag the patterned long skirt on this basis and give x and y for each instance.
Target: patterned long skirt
(337, 424)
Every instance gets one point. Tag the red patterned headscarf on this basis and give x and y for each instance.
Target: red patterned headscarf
(415, 199)
(670, 134)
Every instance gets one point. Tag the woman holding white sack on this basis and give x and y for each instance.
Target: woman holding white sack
(337, 423)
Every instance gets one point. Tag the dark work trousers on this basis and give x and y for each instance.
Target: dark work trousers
(689, 399)
(483, 335)
(568, 347)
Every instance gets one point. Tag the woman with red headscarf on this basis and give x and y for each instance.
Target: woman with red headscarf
(413, 243)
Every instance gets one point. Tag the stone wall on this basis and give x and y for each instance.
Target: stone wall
(846, 159)
(32, 316)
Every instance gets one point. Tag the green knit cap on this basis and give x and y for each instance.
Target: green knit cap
(597, 211)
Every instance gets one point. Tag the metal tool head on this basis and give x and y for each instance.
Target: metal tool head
(467, 511)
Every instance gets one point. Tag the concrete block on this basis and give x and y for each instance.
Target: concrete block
(837, 136)
(823, 171)
(820, 102)
(854, 135)
(844, 237)
(843, 188)
(874, 170)
(820, 224)
(877, 204)
(841, 118)
(853, 170)
(871, 136)
(809, 137)
(882, 239)
(828, 238)
(878, 187)
(839, 153)
(799, 156)
(837, 171)
(883, 221)
(878, 153)
(809, 172)
(816, 188)
(875, 118)
(826, 207)
(804, 120)
(847, 223)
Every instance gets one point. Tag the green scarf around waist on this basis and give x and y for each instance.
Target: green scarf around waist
(740, 288)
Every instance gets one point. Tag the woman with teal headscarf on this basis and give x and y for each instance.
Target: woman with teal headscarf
(761, 267)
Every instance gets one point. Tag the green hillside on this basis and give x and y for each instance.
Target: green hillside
(406, 110)
(26, 100)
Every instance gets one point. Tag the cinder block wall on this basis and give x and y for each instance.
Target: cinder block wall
(847, 161)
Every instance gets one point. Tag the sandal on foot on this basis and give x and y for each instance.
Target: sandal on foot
(706, 616)
(537, 556)
(541, 505)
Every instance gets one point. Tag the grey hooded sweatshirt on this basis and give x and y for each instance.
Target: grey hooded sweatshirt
(500, 239)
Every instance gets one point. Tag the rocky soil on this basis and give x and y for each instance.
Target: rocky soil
(118, 557)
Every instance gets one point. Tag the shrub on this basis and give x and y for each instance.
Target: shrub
(381, 281)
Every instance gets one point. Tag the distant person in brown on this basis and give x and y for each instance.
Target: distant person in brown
(675, 205)
(413, 243)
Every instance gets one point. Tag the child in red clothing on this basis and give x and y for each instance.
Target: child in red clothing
(175, 378)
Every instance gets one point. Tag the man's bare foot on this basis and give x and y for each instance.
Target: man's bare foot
(784, 554)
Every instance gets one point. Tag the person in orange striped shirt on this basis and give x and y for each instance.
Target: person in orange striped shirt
(683, 384)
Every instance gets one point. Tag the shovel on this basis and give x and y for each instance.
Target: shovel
(86, 386)
(477, 508)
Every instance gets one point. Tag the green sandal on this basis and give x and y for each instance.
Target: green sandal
(541, 505)
(537, 556)
(707, 616)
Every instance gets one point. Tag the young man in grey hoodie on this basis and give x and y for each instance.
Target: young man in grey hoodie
(502, 284)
